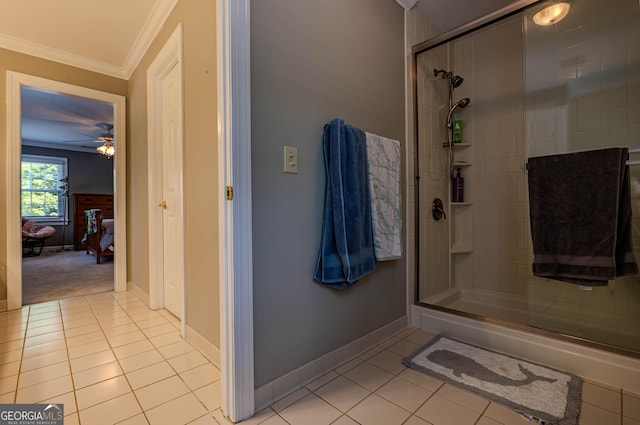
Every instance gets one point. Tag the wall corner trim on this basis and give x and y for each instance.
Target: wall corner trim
(407, 4)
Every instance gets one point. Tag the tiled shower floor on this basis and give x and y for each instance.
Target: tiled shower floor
(610, 328)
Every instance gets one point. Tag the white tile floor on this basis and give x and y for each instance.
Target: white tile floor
(111, 360)
(108, 359)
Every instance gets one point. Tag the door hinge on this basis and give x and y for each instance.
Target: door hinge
(229, 193)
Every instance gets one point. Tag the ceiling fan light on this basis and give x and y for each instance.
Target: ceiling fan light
(107, 149)
(552, 14)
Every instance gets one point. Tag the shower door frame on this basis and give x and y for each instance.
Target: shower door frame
(491, 18)
(422, 47)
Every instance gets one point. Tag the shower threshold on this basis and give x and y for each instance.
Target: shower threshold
(614, 332)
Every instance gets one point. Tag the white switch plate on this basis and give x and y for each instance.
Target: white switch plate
(290, 160)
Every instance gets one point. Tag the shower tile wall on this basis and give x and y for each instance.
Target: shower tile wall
(581, 78)
(418, 29)
(433, 164)
(578, 88)
(583, 92)
(490, 61)
(433, 237)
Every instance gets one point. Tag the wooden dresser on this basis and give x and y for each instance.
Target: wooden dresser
(82, 202)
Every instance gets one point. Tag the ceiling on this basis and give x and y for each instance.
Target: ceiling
(451, 14)
(110, 38)
(106, 37)
(54, 120)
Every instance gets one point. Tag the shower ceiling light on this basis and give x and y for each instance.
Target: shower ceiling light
(551, 14)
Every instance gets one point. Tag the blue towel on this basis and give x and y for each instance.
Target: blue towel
(347, 250)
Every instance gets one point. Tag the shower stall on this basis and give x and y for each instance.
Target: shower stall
(520, 90)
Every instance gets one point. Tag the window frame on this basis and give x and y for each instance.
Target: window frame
(62, 204)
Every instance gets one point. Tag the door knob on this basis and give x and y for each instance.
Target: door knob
(163, 204)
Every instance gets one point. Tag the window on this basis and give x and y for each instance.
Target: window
(43, 196)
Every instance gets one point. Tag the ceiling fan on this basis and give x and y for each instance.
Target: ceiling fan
(92, 138)
(107, 147)
(108, 136)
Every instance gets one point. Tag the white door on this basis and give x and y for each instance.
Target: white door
(172, 176)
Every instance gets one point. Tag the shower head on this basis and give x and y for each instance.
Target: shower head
(456, 81)
(463, 103)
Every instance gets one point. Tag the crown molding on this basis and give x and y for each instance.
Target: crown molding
(57, 55)
(150, 30)
(152, 27)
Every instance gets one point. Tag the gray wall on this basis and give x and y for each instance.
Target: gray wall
(313, 61)
(88, 173)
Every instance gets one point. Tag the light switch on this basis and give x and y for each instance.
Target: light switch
(290, 160)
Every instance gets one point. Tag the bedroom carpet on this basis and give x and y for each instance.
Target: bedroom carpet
(66, 274)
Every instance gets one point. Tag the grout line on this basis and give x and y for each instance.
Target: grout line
(111, 348)
(621, 407)
(66, 345)
(90, 308)
(164, 359)
(24, 343)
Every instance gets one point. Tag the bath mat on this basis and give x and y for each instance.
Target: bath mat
(538, 392)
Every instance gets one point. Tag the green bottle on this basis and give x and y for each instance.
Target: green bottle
(457, 131)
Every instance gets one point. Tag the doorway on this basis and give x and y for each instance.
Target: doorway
(63, 174)
(166, 176)
(15, 83)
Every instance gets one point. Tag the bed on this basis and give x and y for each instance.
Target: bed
(100, 235)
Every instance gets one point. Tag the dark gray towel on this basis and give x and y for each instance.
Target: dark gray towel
(580, 208)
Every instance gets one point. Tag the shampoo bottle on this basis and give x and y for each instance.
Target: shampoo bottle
(457, 131)
(458, 188)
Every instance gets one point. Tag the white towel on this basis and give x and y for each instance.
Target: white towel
(383, 157)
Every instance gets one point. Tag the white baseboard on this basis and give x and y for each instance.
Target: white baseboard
(203, 345)
(138, 292)
(55, 248)
(200, 343)
(279, 388)
(608, 368)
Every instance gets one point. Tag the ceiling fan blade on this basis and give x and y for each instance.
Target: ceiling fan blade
(83, 141)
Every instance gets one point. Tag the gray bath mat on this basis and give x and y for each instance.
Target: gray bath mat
(538, 392)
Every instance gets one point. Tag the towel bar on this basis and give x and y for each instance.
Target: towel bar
(525, 167)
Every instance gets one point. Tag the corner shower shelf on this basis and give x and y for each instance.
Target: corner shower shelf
(461, 237)
(456, 145)
(460, 164)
